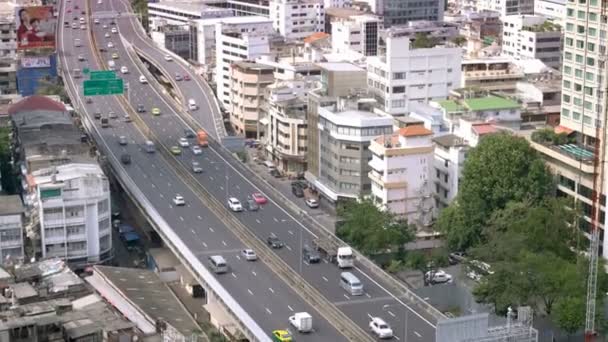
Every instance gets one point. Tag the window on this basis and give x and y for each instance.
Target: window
(588, 105)
(570, 12)
(590, 61)
(568, 56)
(577, 101)
(589, 91)
(580, 44)
(398, 75)
(580, 29)
(566, 84)
(565, 113)
(569, 27)
(569, 41)
(576, 116)
(399, 90)
(589, 76)
(567, 70)
(592, 31)
(590, 47)
(587, 120)
(566, 98)
(578, 73)
(592, 16)
(581, 14)
(578, 87)
(578, 59)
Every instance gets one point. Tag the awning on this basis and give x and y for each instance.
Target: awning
(562, 129)
(264, 121)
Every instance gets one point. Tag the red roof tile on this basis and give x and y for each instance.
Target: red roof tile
(36, 102)
(413, 131)
(315, 36)
(562, 129)
(482, 129)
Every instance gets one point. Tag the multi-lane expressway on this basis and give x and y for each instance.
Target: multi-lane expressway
(259, 290)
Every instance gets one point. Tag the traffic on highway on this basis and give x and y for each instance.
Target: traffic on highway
(153, 139)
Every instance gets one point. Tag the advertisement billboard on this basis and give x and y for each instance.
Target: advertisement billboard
(35, 62)
(36, 27)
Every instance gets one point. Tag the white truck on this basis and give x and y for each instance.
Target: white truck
(302, 321)
(342, 256)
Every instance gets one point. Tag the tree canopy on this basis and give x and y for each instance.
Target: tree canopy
(372, 230)
(501, 169)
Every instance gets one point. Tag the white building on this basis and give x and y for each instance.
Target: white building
(553, 9)
(403, 73)
(8, 54)
(507, 7)
(532, 37)
(11, 229)
(357, 33)
(400, 173)
(450, 154)
(337, 3)
(74, 210)
(297, 19)
(290, 68)
(237, 39)
(286, 125)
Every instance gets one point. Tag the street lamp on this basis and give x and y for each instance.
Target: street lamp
(386, 306)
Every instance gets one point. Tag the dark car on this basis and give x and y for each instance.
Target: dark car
(141, 108)
(456, 258)
(251, 205)
(97, 115)
(297, 188)
(125, 159)
(310, 255)
(102, 50)
(189, 134)
(274, 242)
(275, 173)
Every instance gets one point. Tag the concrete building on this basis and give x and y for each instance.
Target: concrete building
(286, 125)
(247, 83)
(406, 71)
(296, 66)
(400, 173)
(345, 130)
(480, 29)
(297, 19)
(358, 33)
(182, 11)
(237, 39)
(553, 9)
(8, 54)
(532, 37)
(398, 12)
(74, 208)
(11, 229)
(507, 7)
(450, 154)
(491, 73)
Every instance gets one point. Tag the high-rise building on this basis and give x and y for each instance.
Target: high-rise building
(357, 33)
(507, 7)
(8, 58)
(399, 12)
(297, 19)
(532, 37)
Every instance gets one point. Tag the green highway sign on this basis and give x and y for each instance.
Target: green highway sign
(103, 75)
(85, 70)
(103, 87)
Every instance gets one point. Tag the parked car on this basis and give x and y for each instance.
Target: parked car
(456, 258)
(439, 277)
(297, 188)
(197, 150)
(175, 150)
(312, 203)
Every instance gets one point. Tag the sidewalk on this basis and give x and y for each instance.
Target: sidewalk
(322, 214)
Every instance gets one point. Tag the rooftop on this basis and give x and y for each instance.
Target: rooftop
(340, 66)
(252, 65)
(36, 102)
(450, 140)
(145, 290)
(344, 13)
(414, 131)
(490, 103)
(11, 205)
(484, 128)
(316, 36)
(67, 172)
(451, 106)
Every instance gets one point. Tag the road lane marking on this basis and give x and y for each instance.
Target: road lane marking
(258, 221)
(270, 289)
(234, 275)
(269, 312)
(199, 217)
(417, 334)
(347, 297)
(289, 307)
(168, 183)
(204, 244)
(251, 293)
(287, 246)
(238, 257)
(210, 178)
(161, 196)
(368, 295)
(254, 274)
(396, 337)
(370, 316)
(181, 219)
(275, 219)
(154, 186)
(193, 231)
(325, 278)
(390, 313)
(224, 243)
(290, 232)
(238, 187)
(221, 187)
(211, 229)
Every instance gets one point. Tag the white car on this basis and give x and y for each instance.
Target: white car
(105, 26)
(380, 328)
(124, 70)
(83, 27)
(168, 58)
(438, 277)
(235, 204)
(249, 254)
(143, 79)
(183, 142)
(178, 200)
(122, 140)
(96, 21)
(110, 45)
(312, 203)
(114, 30)
(107, 35)
(197, 149)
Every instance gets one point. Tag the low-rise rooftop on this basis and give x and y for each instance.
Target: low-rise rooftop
(11, 205)
(490, 103)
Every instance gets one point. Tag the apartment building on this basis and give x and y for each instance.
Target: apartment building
(74, 211)
(532, 37)
(12, 214)
(450, 154)
(297, 19)
(286, 125)
(398, 12)
(181, 12)
(247, 83)
(552, 9)
(413, 65)
(491, 73)
(287, 68)
(345, 130)
(400, 173)
(8, 55)
(237, 39)
(357, 33)
(507, 7)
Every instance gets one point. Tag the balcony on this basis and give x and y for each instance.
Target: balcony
(387, 184)
(492, 75)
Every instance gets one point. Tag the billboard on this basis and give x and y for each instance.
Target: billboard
(35, 62)
(36, 27)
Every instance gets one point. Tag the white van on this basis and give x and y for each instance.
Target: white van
(192, 104)
(351, 284)
(142, 79)
(218, 264)
(270, 165)
(124, 70)
(150, 146)
(111, 65)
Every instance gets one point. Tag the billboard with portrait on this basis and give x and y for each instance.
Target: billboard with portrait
(35, 62)
(36, 27)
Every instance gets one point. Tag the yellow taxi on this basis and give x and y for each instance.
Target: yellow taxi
(155, 111)
(281, 336)
(176, 151)
(114, 55)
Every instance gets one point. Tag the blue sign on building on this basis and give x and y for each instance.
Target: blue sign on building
(32, 69)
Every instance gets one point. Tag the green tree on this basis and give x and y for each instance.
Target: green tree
(459, 40)
(51, 88)
(422, 40)
(141, 7)
(502, 168)
(570, 314)
(372, 230)
(8, 179)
